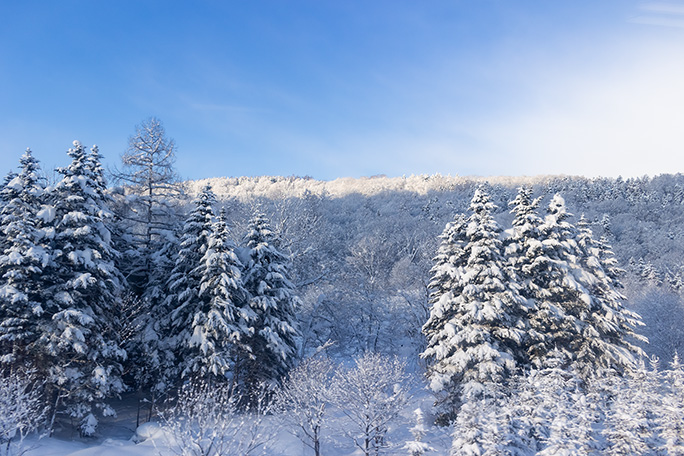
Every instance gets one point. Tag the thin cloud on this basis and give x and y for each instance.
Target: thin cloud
(666, 15)
(225, 108)
(666, 8)
(660, 21)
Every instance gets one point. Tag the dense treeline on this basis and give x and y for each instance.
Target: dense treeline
(364, 247)
(199, 309)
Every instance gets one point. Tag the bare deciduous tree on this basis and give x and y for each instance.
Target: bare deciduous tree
(151, 183)
(303, 399)
(207, 420)
(22, 410)
(371, 395)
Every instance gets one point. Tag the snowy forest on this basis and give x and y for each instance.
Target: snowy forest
(409, 315)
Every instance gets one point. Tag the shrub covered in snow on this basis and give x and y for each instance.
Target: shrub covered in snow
(207, 420)
(22, 409)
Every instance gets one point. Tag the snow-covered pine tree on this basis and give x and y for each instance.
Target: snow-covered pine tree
(562, 419)
(184, 283)
(275, 329)
(417, 447)
(630, 427)
(524, 238)
(610, 326)
(445, 286)
(22, 260)
(79, 345)
(670, 419)
(4, 199)
(481, 342)
(562, 305)
(220, 322)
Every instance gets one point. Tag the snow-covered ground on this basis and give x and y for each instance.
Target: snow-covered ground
(118, 436)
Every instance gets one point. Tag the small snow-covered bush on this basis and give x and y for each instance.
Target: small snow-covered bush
(207, 420)
(371, 395)
(21, 410)
(303, 399)
(417, 447)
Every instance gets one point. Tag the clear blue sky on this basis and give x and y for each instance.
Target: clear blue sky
(351, 88)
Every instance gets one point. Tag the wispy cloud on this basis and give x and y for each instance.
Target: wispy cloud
(222, 108)
(660, 14)
(666, 8)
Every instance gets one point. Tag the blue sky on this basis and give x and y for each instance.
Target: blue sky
(351, 88)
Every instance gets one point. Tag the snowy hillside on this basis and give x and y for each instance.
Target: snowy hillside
(288, 316)
(397, 220)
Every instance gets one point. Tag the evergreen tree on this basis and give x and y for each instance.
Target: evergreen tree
(221, 320)
(610, 326)
(522, 247)
(22, 260)
(572, 281)
(670, 420)
(417, 447)
(275, 331)
(562, 305)
(185, 281)
(82, 356)
(630, 427)
(445, 286)
(562, 418)
(481, 342)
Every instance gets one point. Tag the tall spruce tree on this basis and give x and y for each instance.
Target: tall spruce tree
(571, 280)
(562, 305)
(607, 339)
(22, 260)
(185, 281)
(79, 344)
(481, 343)
(522, 246)
(445, 286)
(220, 323)
(275, 330)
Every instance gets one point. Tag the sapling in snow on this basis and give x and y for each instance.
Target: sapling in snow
(417, 447)
(207, 420)
(371, 395)
(22, 410)
(304, 398)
